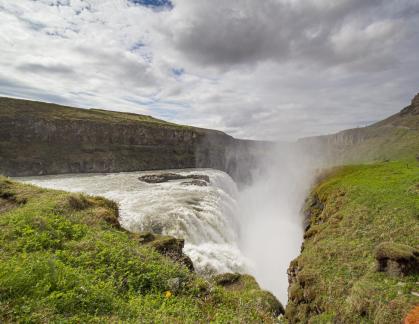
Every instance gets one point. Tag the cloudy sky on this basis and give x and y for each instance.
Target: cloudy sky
(257, 69)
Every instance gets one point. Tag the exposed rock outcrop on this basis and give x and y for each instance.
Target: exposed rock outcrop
(236, 281)
(199, 183)
(388, 139)
(168, 246)
(300, 294)
(397, 259)
(39, 138)
(413, 108)
(8, 198)
(165, 177)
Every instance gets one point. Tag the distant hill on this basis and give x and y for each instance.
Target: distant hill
(396, 137)
(39, 138)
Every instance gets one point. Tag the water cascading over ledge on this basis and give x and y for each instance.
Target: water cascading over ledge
(205, 216)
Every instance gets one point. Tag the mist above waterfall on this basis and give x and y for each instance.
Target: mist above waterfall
(256, 228)
(271, 226)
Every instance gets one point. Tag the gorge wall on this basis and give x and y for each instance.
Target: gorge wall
(38, 138)
(391, 138)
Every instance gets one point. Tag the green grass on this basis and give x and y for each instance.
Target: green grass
(64, 258)
(13, 108)
(361, 207)
(380, 144)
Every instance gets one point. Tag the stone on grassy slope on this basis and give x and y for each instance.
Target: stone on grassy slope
(168, 246)
(397, 259)
(242, 282)
(104, 209)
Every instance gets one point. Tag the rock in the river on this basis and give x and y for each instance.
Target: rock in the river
(199, 183)
(165, 177)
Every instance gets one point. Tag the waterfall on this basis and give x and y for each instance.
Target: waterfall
(205, 216)
(256, 230)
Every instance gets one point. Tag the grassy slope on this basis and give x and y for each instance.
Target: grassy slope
(10, 107)
(394, 138)
(63, 258)
(363, 206)
(382, 143)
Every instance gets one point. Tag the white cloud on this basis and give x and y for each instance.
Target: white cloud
(274, 69)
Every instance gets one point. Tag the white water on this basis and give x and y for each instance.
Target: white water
(256, 230)
(206, 217)
(271, 218)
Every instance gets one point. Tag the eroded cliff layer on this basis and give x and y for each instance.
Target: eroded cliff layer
(39, 138)
(392, 138)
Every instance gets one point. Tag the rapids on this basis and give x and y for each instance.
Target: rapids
(206, 217)
(255, 230)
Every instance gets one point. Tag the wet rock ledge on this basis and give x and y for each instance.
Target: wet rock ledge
(196, 179)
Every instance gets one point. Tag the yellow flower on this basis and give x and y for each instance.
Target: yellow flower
(168, 294)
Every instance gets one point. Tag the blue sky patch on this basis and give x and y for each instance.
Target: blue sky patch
(137, 46)
(178, 71)
(158, 4)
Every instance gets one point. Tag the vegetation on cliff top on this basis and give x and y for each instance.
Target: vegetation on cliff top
(359, 216)
(10, 107)
(64, 258)
(394, 138)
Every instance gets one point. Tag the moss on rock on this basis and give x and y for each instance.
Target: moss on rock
(168, 246)
(397, 259)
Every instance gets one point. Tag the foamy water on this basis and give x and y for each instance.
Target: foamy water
(257, 230)
(206, 217)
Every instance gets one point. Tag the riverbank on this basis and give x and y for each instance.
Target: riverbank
(65, 258)
(359, 259)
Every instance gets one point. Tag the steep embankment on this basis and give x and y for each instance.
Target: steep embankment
(64, 258)
(394, 138)
(40, 138)
(360, 258)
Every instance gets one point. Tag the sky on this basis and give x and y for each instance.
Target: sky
(256, 69)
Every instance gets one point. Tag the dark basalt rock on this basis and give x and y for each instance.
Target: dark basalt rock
(199, 183)
(226, 279)
(165, 177)
(397, 260)
(8, 198)
(168, 246)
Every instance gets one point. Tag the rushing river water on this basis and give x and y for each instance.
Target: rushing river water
(205, 216)
(225, 230)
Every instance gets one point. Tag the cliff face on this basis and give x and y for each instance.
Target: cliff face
(393, 137)
(359, 259)
(39, 138)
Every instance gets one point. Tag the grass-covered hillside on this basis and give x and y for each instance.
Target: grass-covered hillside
(64, 258)
(12, 108)
(394, 138)
(360, 257)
